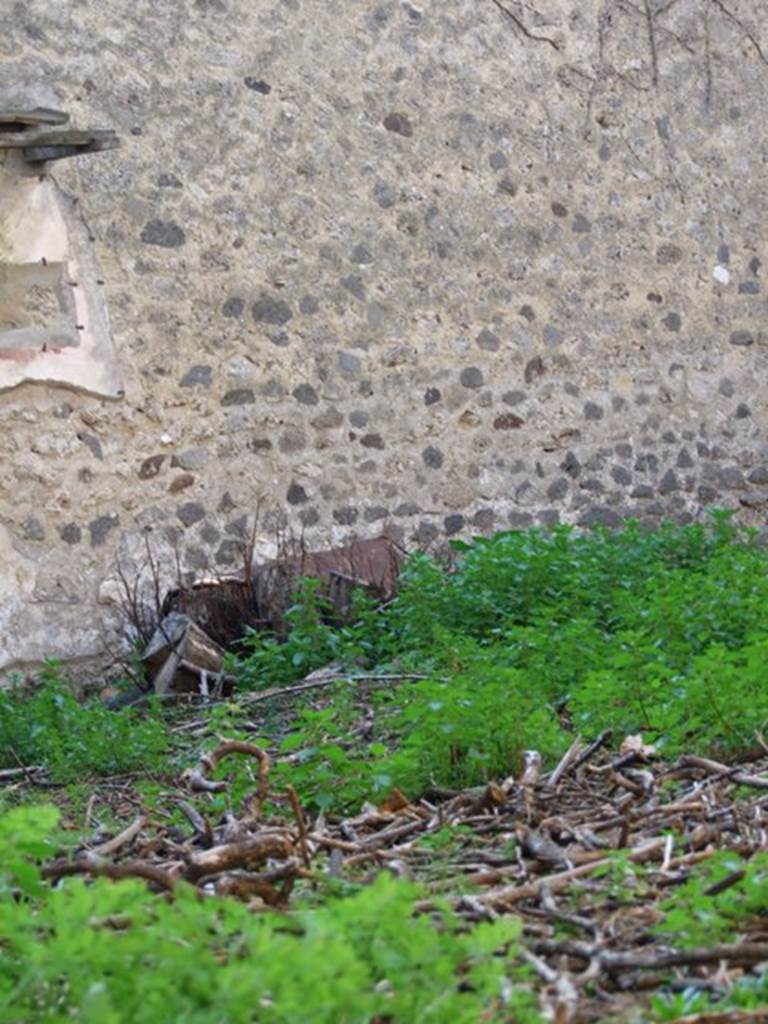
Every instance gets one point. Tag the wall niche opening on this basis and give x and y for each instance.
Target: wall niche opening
(54, 324)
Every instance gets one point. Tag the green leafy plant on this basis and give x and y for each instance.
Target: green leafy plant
(531, 634)
(111, 952)
(46, 725)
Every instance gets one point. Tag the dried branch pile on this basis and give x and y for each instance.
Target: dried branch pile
(538, 846)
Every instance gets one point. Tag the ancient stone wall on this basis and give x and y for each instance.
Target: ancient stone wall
(434, 266)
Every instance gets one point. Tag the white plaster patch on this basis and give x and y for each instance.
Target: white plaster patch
(721, 274)
(54, 326)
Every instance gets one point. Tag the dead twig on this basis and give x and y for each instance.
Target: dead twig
(124, 838)
(90, 865)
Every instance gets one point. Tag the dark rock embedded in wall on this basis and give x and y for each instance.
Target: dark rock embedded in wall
(432, 457)
(165, 233)
(269, 310)
(399, 123)
(197, 376)
(190, 513)
(239, 396)
(71, 533)
(233, 307)
(101, 527)
(296, 495)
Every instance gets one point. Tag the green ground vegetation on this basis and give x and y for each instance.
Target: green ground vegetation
(523, 640)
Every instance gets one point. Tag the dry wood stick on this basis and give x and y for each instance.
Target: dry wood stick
(516, 893)
(294, 798)
(121, 839)
(722, 770)
(93, 866)
(737, 952)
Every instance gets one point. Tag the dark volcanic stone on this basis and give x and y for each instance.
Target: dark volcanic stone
(258, 85)
(669, 482)
(375, 513)
(684, 460)
(520, 520)
(599, 515)
(593, 411)
(668, 253)
(32, 529)
(197, 376)
(673, 322)
(239, 396)
(571, 465)
(432, 457)
(513, 397)
(621, 476)
(233, 307)
(487, 340)
(580, 225)
(558, 489)
(305, 394)
(548, 517)
(471, 377)
(229, 551)
(385, 195)
(92, 443)
(741, 338)
(101, 527)
(292, 440)
(165, 233)
(533, 368)
(296, 495)
(731, 478)
(647, 463)
(269, 310)
(484, 519)
(399, 124)
(372, 441)
(361, 255)
(707, 494)
(355, 285)
(151, 466)
(592, 484)
(432, 395)
(426, 532)
(407, 508)
(642, 491)
(330, 419)
(453, 524)
(190, 513)
(71, 533)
